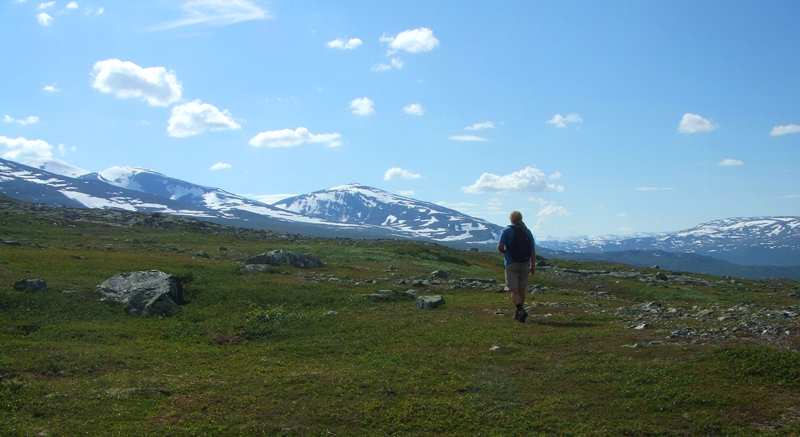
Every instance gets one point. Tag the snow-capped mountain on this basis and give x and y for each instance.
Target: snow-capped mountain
(363, 205)
(154, 192)
(747, 241)
(57, 166)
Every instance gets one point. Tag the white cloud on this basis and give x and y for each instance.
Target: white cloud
(623, 214)
(51, 88)
(215, 13)
(399, 173)
(155, 85)
(62, 149)
(783, 130)
(412, 41)
(269, 199)
(21, 149)
(526, 180)
(31, 119)
(291, 138)
(197, 117)
(72, 5)
(414, 109)
(556, 175)
(467, 138)
(44, 19)
(20, 1)
(396, 63)
(693, 123)
(220, 166)
(341, 44)
(560, 121)
(790, 196)
(46, 5)
(407, 193)
(362, 106)
(654, 189)
(548, 208)
(730, 162)
(100, 11)
(479, 126)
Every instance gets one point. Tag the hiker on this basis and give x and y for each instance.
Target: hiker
(519, 250)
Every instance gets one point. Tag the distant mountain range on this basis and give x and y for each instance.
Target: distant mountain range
(358, 211)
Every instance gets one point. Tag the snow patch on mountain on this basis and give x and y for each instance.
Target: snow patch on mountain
(56, 166)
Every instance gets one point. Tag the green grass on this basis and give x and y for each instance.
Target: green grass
(262, 354)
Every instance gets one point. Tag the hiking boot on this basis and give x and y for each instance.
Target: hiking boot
(516, 315)
(522, 316)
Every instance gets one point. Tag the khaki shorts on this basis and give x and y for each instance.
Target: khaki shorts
(517, 275)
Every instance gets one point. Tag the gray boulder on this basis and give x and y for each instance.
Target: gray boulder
(149, 292)
(201, 254)
(429, 302)
(661, 277)
(282, 257)
(256, 268)
(34, 285)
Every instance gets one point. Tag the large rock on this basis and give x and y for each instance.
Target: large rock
(429, 302)
(282, 257)
(150, 292)
(34, 285)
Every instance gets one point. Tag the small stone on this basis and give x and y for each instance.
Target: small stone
(661, 277)
(643, 326)
(9, 242)
(202, 254)
(494, 348)
(222, 248)
(132, 241)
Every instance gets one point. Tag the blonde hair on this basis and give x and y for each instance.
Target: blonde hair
(516, 218)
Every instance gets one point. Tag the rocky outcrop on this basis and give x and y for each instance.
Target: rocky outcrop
(150, 292)
(282, 257)
(33, 285)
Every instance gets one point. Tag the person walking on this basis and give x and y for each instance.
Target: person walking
(519, 252)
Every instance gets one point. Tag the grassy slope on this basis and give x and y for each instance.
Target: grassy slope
(258, 354)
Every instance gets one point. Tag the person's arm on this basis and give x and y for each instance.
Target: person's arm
(501, 248)
(533, 260)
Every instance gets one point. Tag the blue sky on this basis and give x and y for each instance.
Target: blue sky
(590, 117)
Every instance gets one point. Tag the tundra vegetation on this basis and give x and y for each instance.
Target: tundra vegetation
(607, 350)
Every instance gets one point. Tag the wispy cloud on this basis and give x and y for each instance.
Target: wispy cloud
(155, 85)
(784, 130)
(730, 162)
(44, 19)
(414, 109)
(362, 106)
(395, 63)
(291, 138)
(220, 166)
(72, 5)
(547, 209)
(31, 119)
(197, 117)
(527, 180)
(46, 5)
(341, 44)
(693, 123)
(217, 13)
(561, 121)
(467, 138)
(399, 173)
(790, 196)
(480, 126)
(412, 41)
(51, 88)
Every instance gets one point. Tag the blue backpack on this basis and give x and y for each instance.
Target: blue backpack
(520, 247)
